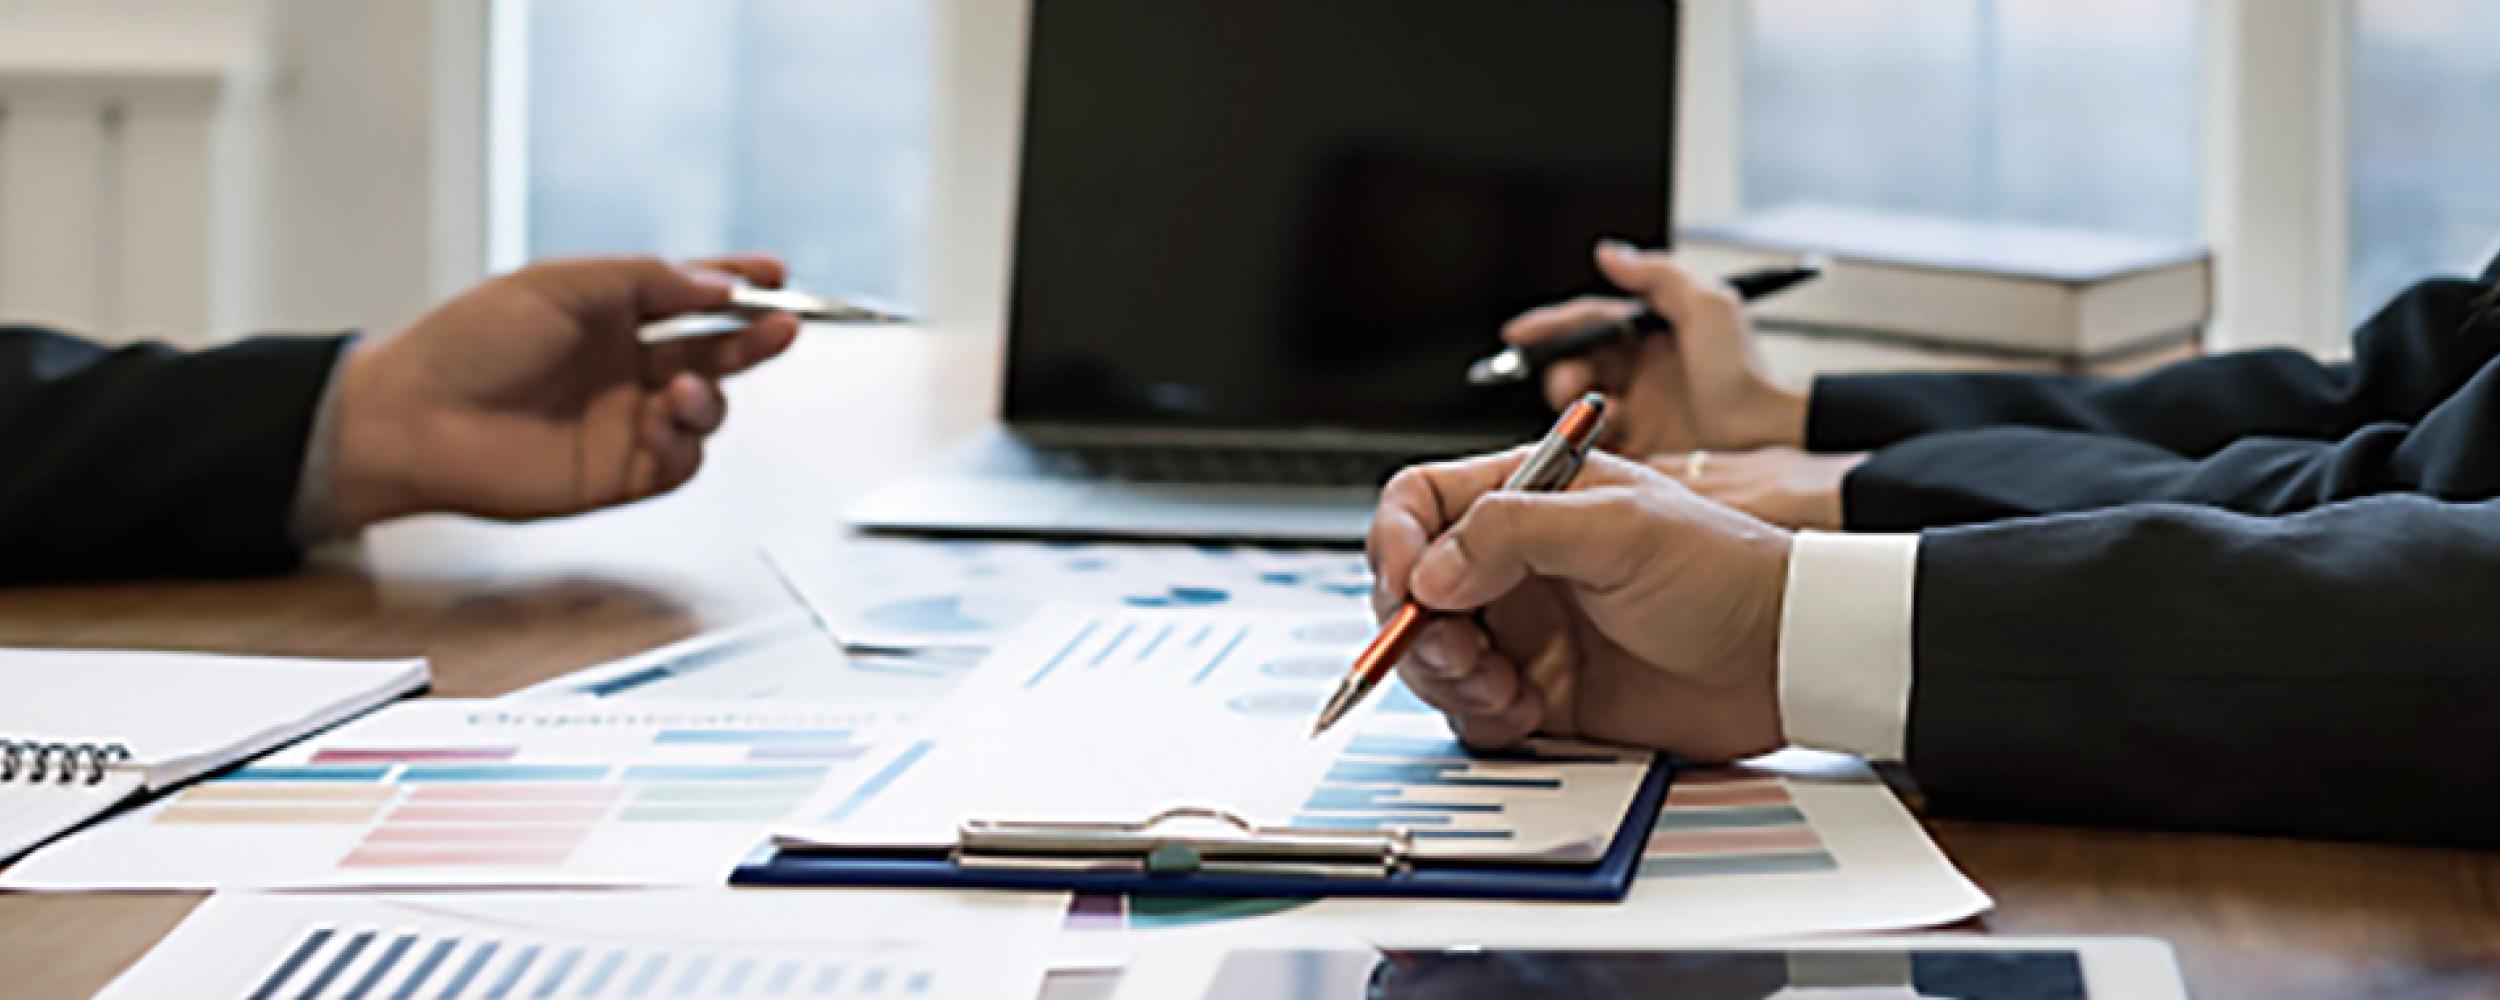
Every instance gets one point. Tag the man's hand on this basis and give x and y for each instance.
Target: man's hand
(532, 396)
(1785, 486)
(1626, 609)
(1700, 387)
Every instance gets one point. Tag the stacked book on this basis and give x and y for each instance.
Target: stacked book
(1908, 292)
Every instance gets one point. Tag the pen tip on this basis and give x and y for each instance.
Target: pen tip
(1334, 710)
(1495, 370)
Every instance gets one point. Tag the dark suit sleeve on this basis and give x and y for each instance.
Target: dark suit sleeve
(2446, 450)
(2329, 674)
(2407, 359)
(149, 461)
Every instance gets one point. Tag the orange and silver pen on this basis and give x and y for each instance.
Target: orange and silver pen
(1550, 467)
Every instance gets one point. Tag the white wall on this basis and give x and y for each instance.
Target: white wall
(345, 165)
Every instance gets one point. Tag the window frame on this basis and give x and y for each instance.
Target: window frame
(2274, 158)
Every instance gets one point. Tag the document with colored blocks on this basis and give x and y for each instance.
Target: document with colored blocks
(1116, 715)
(479, 793)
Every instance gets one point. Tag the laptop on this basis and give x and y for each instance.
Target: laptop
(1257, 244)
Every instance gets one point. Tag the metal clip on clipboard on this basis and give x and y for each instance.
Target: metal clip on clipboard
(1190, 840)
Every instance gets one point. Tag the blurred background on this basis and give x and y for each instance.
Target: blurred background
(196, 169)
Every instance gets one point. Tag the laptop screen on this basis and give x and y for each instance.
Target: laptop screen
(1312, 214)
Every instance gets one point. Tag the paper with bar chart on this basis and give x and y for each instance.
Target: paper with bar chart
(484, 793)
(670, 943)
(1094, 715)
(908, 594)
(1795, 843)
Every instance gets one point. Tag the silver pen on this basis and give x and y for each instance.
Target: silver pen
(745, 301)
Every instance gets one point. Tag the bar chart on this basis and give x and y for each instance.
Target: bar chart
(457, 793)
(369, 963)
(603, 944)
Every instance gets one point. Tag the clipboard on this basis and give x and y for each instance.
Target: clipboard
(1221, 855)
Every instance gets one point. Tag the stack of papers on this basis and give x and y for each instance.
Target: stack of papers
(942, 687)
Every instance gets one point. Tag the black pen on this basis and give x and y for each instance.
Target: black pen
(1515, 364)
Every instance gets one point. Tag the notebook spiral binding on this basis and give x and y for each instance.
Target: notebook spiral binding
(33, 761)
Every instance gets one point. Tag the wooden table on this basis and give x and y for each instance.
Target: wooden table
(497, 607)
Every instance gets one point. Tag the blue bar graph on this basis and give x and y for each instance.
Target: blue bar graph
(878, 782)
(382, 966)
(1221, 655)
(316, 966)
(1059, 657)
(1117, 638)
(304, 951)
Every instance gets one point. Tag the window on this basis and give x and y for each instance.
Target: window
(687, 127)
(2036, 111)
(2425, 153)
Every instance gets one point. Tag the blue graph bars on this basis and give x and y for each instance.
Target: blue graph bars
(328, 963)
(1432, 786)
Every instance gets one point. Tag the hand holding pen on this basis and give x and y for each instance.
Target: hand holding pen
(1551, 466)
(1519, 362)
(1702, 388)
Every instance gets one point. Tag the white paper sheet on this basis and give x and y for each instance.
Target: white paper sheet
(483, 793)
(1794, 843)
(185, 713)
(913, 593)
(1099, 716)
(700, 943)
(785, 658)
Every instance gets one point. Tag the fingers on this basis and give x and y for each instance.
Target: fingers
(1483, 693)
(1597, 535)
(1548, 322)
(666, 455)
(650, 288)
(760, 269)
(1568, 380)
(1675, 292)
(694, 404)
(771, 334)
(1419, 502)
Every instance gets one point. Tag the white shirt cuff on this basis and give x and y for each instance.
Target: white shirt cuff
(1845, 642)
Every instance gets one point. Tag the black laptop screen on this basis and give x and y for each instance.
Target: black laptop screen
(1314, 213)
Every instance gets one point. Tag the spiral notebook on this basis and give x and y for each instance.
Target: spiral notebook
(83, 730)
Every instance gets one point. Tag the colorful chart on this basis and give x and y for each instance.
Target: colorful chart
(1434, 787)
(1726, 822)
(453, 792)
(1716, 823)
(477, 807)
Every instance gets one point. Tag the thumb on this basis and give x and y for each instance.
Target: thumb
(1586, 538)
(664, 291)
(652, 288)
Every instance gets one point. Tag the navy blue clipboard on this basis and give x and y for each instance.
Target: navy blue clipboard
(1605, 881)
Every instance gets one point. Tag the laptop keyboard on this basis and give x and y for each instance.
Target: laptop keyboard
(1215, 465)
